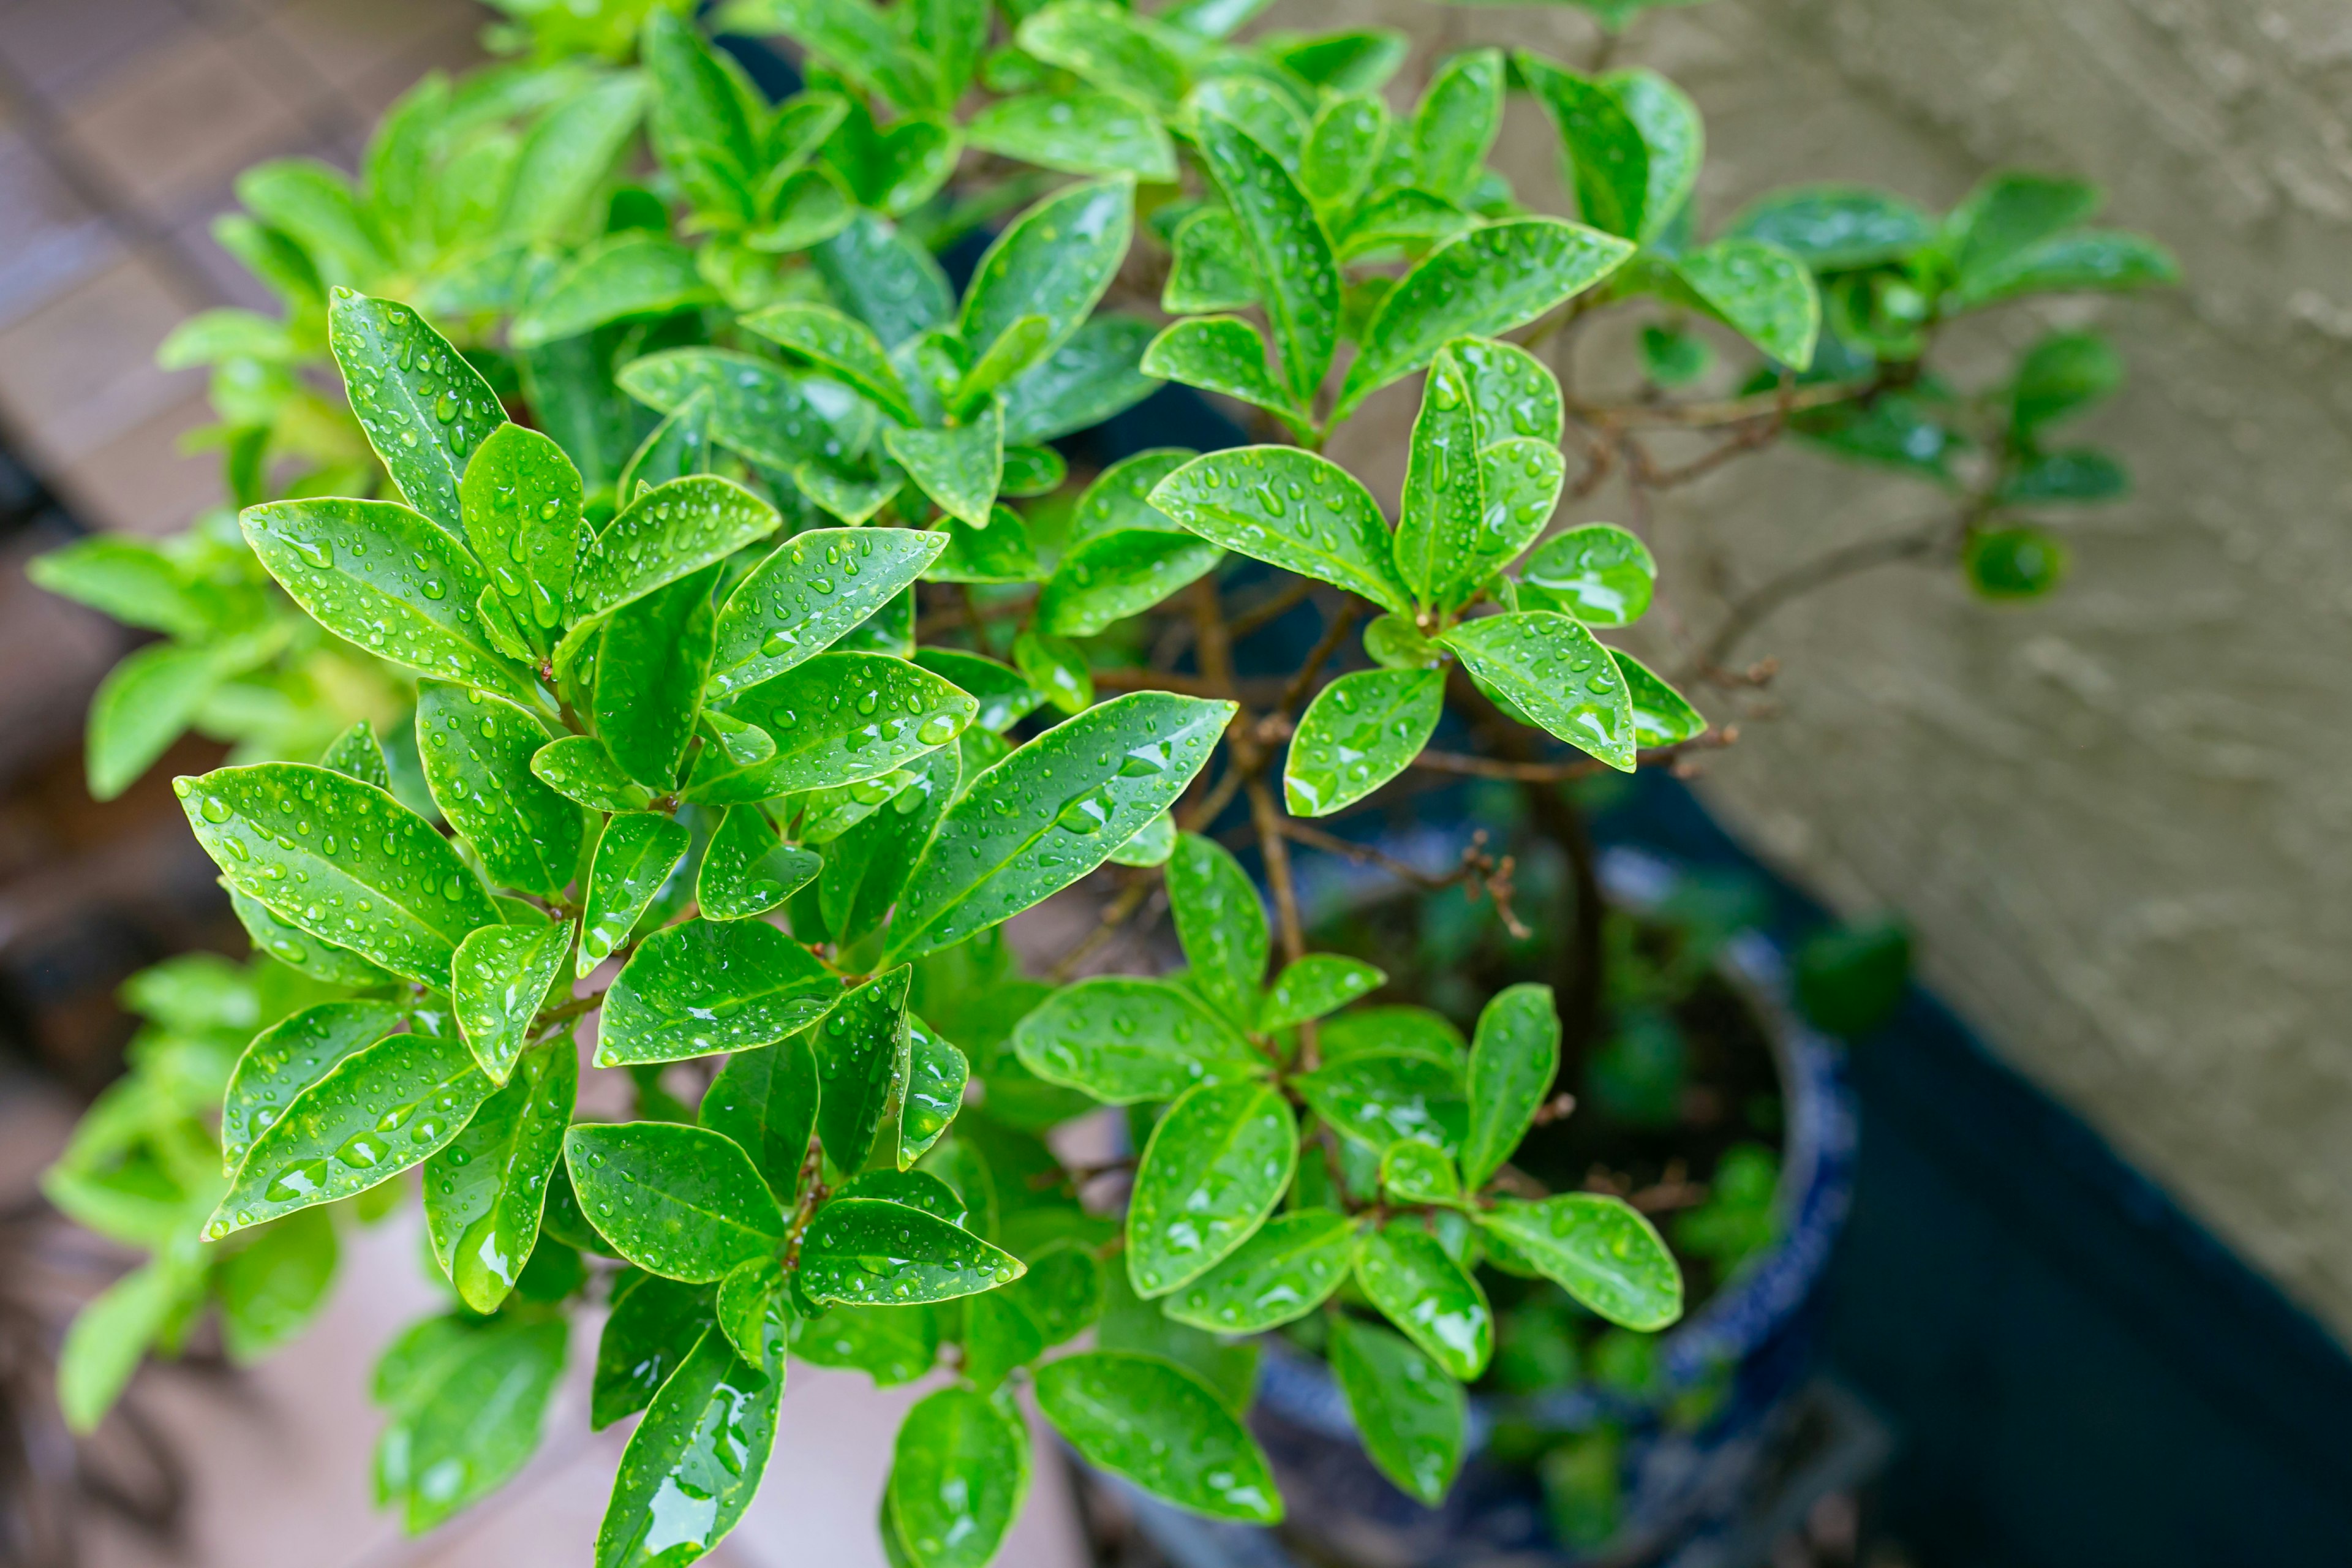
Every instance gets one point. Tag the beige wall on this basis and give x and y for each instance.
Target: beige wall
(2118, 818)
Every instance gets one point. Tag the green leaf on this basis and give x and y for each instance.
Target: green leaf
(483, 1194)
(2059, 376)
(679, 447)
(695, 1461)
(567, 154)
(2092, 259)
(1479, 285)
(1125, 1041)
(1162, 1428)
(1608, 159)
(1317, 984)
(1343, 147)
(1671, 357)
(754, 1306)
(1108, 577)
(1384, 1097)
(143, 705)
(371, 1116)
(1355, 60)
(1661, 716)
(1004, 695)
(356, 754)
(1456, 123)
(1092, 376)
(1078, 133)
(270, 1290)
(1109, 49)
(2012, 212)
(1154, 843)
(959, 468)
(1216, 1166)
(634, 856)
(2081, 476)
(387, 580)
(858, 40)
(937, 1075)
(890, 1344)
(1016, 347)
(885, 279)
(287, 1059)
(680, 1202)
(813, 589)
(1283, 1272)
(1361, 731)
(1053, 810)
(1835, 228)
(954, 33)
(1599, 574)
(623, 276)
(746, 871)
(477, 750)
(861, 1050)
(1063, 1291)
(521, 497)
(2014, 563)
(1292, 253)
(958, 1477)
(131, 580)
(1555, 673)
(1416, 1174)
(1513, 1061)
(342, 860)
(654, 1323)
(580, 770)
(870, 1252)
(1410, 1415)
(468, 1416)
(867, 867)
(1221, 923)
(696, 97)
(1419, 1287)
(1443, 515)
(501, 976)
(313, 205)
(423, 407)
(837, 719)
(764, 1100)
(657, 654)
(1223, 353)
(669, 532)
(1211, 268)
(1765, 294)
(1850, 977)
(1598, 1250)
(773, 416)
(1673, 138)
(704, 987)
(1055, 260)
(1393, 219)
(1290, 508)
(838, 342)
(103, 1346)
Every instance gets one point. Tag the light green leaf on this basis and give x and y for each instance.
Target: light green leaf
(858, 39)
(297, 950)
(1419, 1287)
(1512, 1063)
(2011, 211)
(932, 1093)
(1599, 574)
(1109, 47)
(959, 468)
(369, 874)
(1416, 1174)
(890, 1344)
(1661, 716)
(1361, 731)
(837, 718)
(1221, 923)
(838, 342)
(357, 754)
(867, 867)
(1343, 147)
(1162, 1428)
(1111, 576)
(272, 1288)
(770, 415)
(1410, 1415)
(704, 987)
(1478, 285)
(1403, 218)
(145, 704)
(1223, 353)
(1290, 508)
(1125, 1041)
(287, 1059)
(477, 752)
(1016, 347)
(654, 1325)
(103, 1346)
(1212, 268)
(1053, 810)
(483, 1194)
(131, 580)
(1555, 673)
(1271, 112)
(1763, 292)
(815, 588)
(1287, 243)
(1055, 261)
(500, 978)
(1057, 667)
(885, 279)
(2014, 563)
(764, 1100)
(1352, 61)
(567, 154)
(650, 671)
(1608, 159)
(1600, 1250)
(676, 1201)
(1216, 1166)
(861, 1052)
(670, 531)
(465, 1402)
(371, 1116)
(625, 274)
(754, 1306)
(387, 580)
(1384, 1097)
(1154, 843)
(1834, 228)
(580, 770)
(423, 407)
(746, 871)
(314, 205)
(1317, 984)
(1673, 138)
(1456, 123)
(695, 1461)
(1413, 1031)
(1283, 1272)
(957, 1477)
(1093, 375)
(1076, 133)
(1444, 509)
(634, 856)
(870, 1252)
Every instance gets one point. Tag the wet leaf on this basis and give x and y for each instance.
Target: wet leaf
(287, 1057)
(1834, 228)
(1063, 1291)
(1221, 923)
(1224, 354)
(1108, 48)
(356, 754)
(958, 1477)
(839, 343)
(1361, 731)
(695, 1461)
(681, 1202)
(1212, 269)
(1292, 253)
(1413, 1031)
(653, 1324)
(746, 871)
(1456, 123)
(1154, 843)
(1555, 672)
(423, 407)
(1058, 667)
(1055, 260)
(580, 770)
(1661, 716)
(960, 468)
(1125, 1041)
(1317, 984)
(932, 1093)
(813, 590)
(2100, 260)
(1215, 1166)
(754, 407)
(649, 675)
(872, 1252)
(1004, 695)
(1763, 292)
(1290, 508)
(754, 1306)
(1343, 147)
(764, 1101)
(623, 276)
(1674, 140)
(1416, 1174)
(1598, 573)
(501, 976)
(867, 867)
(1513, 1061)
(1283, 1272)
(1111, 576)
(1075, 132)
(679, 447)
(1419, 1287)
(466, 1417)
(837, 719)
(670, 531)
(1410, 1415)
(861, 1051)
(1094, 374)
(476, 750)
(885, 279)
(1162, 1428)
(704, 987)
(889, 1345)
(1598, 1249)
(484, 1192)
(1383, 1097)
(634, 857)
(271, 1289)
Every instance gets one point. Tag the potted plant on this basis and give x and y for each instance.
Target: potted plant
(653, 653)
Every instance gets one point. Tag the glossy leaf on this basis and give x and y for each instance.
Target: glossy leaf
(754, 1306)
(764, 1101)
(856, 38)
(1598, 1250)
(1361, 731)
(2014, 563)
(342, 860)
(1317, 984)
(1225, 354)
(146, 702)
(1599, 574)
(466, 1417)
(287, 1059)
(1075, 132)
(1162, 1428)
(885, 279)
(484, 1192)
(476, 750)
(1212, 269)
(271, 1289)
(650, 670)
(2011, 212)
(890, 1344)
(704, 987)
(1416, 1174)
(960, 468)
(867, 867)
(746, 871)
(671, 531)
(1608, 159)
(958, 1477)
(1343, 146)
(423, 407)
(1420, 1288)
(2092, 259)
(1111, 576)
(861, 1050)
(1763, 292)
(680, 445)
(1413, 1031)
(1444, 509)
(1661, 716)
(1287, 243)
(837, 718)
(579, 769)
(1094, 374)
(816, 587)
(1221, 924)
(1283, 1272)
(838, 342)
(1384, 1097)
(1270, 114)
(1063, 1291)
(356, 754)
(1125, 1041)
(2060, 375)
(1290, 508)
(1108, 48)
(1053, 810)
(1456, 121)
(1054, 261)
(680, 1202)
(623, 276)
(1513, 1061)
(755, 406)
(1833, 228)
(1673, 138)
(1004, 695)
(654, 1325)
(1215, 1166)
(1154, 843)
(1555, 673)
(501, 976)
(1411, 1417)
(695, 1461)
(634, 858)
(1000, 552)
(870, 1252)
(379, 1111)
(931, 1091)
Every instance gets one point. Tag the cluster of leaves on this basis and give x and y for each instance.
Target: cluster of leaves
(633, 686)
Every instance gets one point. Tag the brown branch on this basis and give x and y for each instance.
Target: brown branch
(1116, 913)
(1711, 416)
(812, 1189)
(1753, 607)
(1268, 820)
(1268, 610)
(1334, 631)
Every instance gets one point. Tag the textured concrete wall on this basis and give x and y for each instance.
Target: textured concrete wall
(2118, 818)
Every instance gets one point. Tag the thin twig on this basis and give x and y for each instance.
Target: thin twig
(1474, 766)
(1752, 608)
(1268, 819)
(1334, 631)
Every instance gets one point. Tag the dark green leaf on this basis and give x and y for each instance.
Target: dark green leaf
(1225, 354)
(2014, 563)
(270, 1290)
(1054, 261)
(861, 1050)
(765, 1100)
(634, 857)
(1598, 1250)
(1093, 375)
(1392, 219)
(1512, 1064)
(1356, 60)
(958, 1477)
(423, 409)
(1410, 1415)
(1016, 347)
(838, 342)
(681, 1202)
(679, 447)
(773, 416)
(1162, 1428)
(693, 1464)
(650, 671)
(653, 1324)
(867, 867)
(468, 1418)
(959, 468)
(1003, 694)
(624, 275)
(342, 860)
(1661, 716)
(813, 589)
(580, 770)
(1125, 1041)
(1383, 1097)
(2076, 478)
(1422, 1291)
(858, 39)
(885, 279)
(287, 1059)
(1292, 253)
(890, 1344)
(501, 976)
(478, 752)
(2060, 375)
(1765, 293)
(483, 1194)
(1598, 573)
(871, 1252)
(1851, 978)
(2012, 212)
(1558, 674)
(1359, 733)
(1456, 121)
(1221, 923)
(746, 871)
(1675, 140)
(837, 718)
(1111, 576)
(1076, 133)
(1290, 508)
(1282, 1273)
(669, 532)
(704, 987)
(1063, 1291)
(569, 385)
(1833, 228)
(1215, 1166)
(1317, 984)
(1608, 159)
